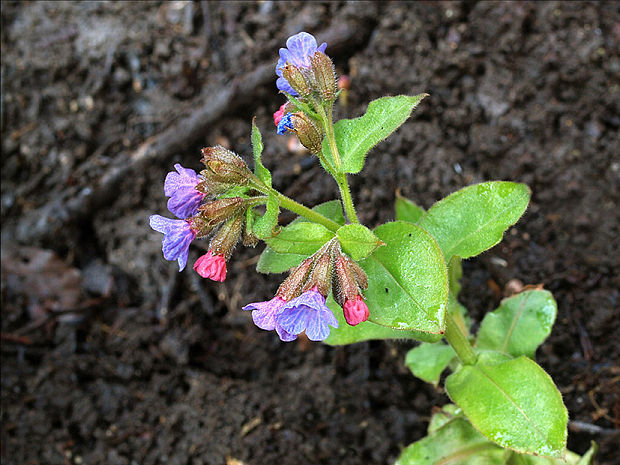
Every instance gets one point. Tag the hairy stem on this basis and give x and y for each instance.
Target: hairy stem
(341, 178)
(459, 342)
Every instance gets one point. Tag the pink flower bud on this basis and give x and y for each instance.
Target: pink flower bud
(211, 266)
(355, 311)
(277, 116)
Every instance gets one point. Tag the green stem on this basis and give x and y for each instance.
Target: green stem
(459, 342)
(341, 178)
(302, 210)
(295, 207)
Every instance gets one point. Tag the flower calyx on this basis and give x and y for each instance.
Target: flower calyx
(224, 169)
(307, 132)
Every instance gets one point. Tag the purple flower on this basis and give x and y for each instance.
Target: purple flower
(181, 188)
(178, 235)
(309, 313)
(285, 123)
(264, 316)
(300, 48)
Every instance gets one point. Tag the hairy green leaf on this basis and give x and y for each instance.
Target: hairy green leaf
(519, 325)
(407, 280)
(455, 442)
(271, 261)
(428, 361)
(346, 334)
(514, 403)
(265, 226)
(357, 240)
(300, 238)
(473, 219)
(407, 210)
(355, 137)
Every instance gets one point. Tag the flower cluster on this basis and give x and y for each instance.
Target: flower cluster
(218, 203)
(222, 219)
(307, 76)
(299, 305)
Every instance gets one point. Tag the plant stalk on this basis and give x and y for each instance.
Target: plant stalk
(459, 341)
(341, 178)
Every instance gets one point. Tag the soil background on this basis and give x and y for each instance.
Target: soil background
(110, 356)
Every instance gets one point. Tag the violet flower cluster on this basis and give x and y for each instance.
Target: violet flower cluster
(218, 203)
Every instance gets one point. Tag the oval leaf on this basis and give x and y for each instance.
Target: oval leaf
(407, 210)
(265, 226)
(355, 137)
(357, 240)
(271, 261)
(513, 403)
(300, 238)
(407, 280)
(519, 325)
(428, 361)
(365, 331)
(473, 219)
(455, 442)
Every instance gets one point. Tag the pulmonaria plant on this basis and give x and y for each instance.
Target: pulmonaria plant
(348, 283)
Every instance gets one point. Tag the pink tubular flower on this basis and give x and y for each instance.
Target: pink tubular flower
(211, 266)
(355, 311)
(277, 116)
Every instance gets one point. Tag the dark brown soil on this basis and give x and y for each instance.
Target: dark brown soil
(159, 367)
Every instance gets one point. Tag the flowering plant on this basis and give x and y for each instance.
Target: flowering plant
(348, 283)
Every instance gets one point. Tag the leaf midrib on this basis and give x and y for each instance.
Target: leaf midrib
(499, 387)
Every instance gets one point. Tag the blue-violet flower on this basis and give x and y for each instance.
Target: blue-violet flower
(285, 124)
(178, 235)
(300, 48)
(308, 313)
(264, 316)
(181, 188)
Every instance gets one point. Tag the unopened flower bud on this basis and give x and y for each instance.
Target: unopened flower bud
(224, 168)
(308, 133)
(355, 311)
(200, 225)
(225, 239)
(297, 79)
(221, 209)
(321, 275)
(324, 75)
(292, 286)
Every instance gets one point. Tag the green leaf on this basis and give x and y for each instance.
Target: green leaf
(407, 210)
(271, 261)
(300, 238)
(446, 414)
(514, 403)
(520, 324)
(407, 280)
(357, 240)
(260, 171)
(473, 219)
(455, 442)
(571, 458)
(331, 210)
(428, 361)
(355, 137)
(274, 262)
(346, 334)
(265, 226)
